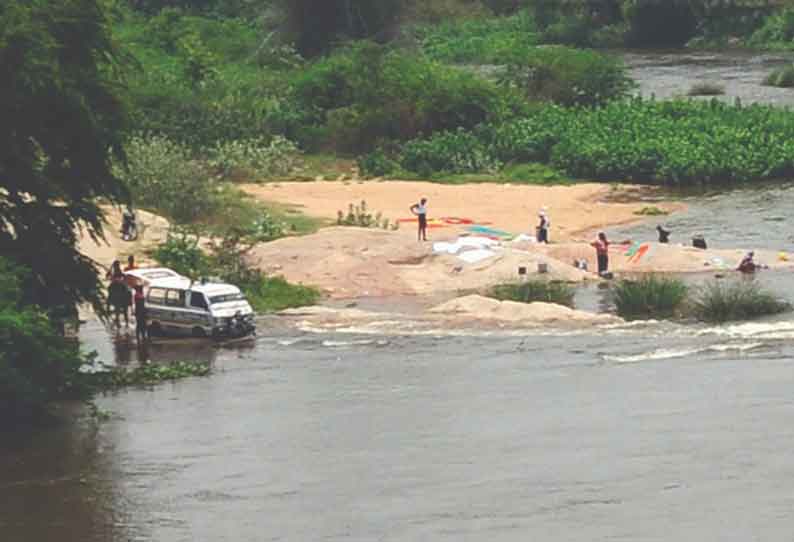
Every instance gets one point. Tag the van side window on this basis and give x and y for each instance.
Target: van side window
(175, 298)
(198, 301)
(157, 296)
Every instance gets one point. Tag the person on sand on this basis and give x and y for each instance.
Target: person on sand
(602, 252)
(130, 263)
(141, 331)
(664, 235)
(420, 210)
(543, 228)
(747, 265)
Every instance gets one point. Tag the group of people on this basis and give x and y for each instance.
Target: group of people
(125, 292)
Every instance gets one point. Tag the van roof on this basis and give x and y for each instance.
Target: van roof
(184, 283)
(152, 273)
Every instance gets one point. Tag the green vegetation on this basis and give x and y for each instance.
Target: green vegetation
(781, 77)
(651, 211)
(226, 259)
(721, 301)
(654, 296)
(365, 94)
(145, 375)
(483, 40)
(530, 291)
(567, 76)
(674, 142)
(706, 88)
(38, 366)
(359, 215)
(650, 296)
(61, 113)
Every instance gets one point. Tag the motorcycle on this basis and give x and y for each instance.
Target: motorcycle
(129, 226)
(240, 326)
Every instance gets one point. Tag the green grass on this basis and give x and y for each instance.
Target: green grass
(236, 208)
(651, 211)
(651, 296)
(557, 292)
(272, 294)
(721, 301)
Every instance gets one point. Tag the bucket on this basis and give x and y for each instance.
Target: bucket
(543, 268)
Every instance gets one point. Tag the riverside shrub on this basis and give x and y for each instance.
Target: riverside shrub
(37, 365)
(673, 142)
(557, 292)
(648, 297)
(366, 93)
(720, 301)
(567, 76)
(449, 152)
(483, 40)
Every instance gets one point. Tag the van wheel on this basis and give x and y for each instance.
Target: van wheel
(198, 332)
(155, 329)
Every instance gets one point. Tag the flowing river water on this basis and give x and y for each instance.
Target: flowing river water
(392, 431)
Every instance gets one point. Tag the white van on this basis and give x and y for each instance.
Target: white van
(201, 309)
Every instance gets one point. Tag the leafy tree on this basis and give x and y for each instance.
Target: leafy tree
(318, 24)
(60, 111)
(37, 365)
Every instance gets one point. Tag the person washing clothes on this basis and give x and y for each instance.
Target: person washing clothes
(664, 235)
(748, 265)
(543, 228)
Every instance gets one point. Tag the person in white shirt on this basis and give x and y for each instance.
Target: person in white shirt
(420, 210)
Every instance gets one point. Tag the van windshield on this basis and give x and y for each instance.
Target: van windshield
(225, 298)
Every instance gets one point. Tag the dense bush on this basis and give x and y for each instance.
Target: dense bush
(777, 31)
(567, 76)
(256, 157)
(651, 296)
(674, 142)
(162, 175)
(365, 93)
(659, 24)
(535, 290)
(742, 299)
(449, 152)
(480, 40)
(182, 253)
(781, 77)
(37, 365)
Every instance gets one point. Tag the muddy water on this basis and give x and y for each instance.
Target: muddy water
(672, 74)
(388, 430)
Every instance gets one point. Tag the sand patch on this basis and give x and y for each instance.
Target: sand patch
(479, 307)
(572, 209)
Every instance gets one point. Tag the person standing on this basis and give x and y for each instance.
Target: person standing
(543, 228)
(141, 331)
(118, 293)
(420, 210)
(130, 263)
(602, 252)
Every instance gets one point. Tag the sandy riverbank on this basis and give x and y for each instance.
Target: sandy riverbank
(573, 210)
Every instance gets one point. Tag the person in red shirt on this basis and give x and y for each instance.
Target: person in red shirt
(602, 252)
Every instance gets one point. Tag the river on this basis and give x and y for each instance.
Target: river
(390, 431)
